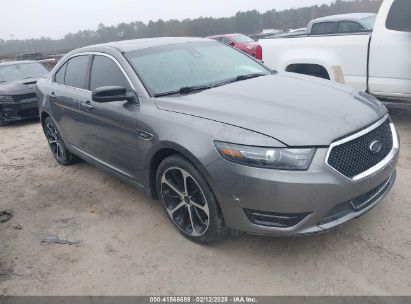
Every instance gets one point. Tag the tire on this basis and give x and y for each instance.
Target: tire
(63, 156)
(190, 206)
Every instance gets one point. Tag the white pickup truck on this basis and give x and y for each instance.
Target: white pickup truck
(378, 62)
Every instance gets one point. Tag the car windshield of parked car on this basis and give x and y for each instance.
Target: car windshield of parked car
(11, 72)
(241, 39)
(369, 22)
(172, 67)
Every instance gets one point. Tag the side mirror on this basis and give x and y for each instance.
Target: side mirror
(108, 94)
(231, 43)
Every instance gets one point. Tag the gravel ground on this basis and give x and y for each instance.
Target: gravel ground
(130, 248)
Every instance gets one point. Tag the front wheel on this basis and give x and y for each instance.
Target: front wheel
(63, 156)
(188, 201)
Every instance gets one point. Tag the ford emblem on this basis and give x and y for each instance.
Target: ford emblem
(375, 146)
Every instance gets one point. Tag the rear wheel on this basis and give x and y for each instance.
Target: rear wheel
(188, 201)
(63, 156)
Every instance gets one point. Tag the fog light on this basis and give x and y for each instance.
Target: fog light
(278, 220)
(8, 113)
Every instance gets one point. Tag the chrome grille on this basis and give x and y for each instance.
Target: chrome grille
(18, 98)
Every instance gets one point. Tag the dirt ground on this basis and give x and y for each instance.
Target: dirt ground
(130, 248)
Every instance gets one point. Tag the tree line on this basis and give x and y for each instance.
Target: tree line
(250, 22)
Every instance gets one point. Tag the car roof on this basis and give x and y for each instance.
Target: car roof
(138, 44)
(16, 62)
(270, 31)
(341, 17)
(298, 29)
(225, 35)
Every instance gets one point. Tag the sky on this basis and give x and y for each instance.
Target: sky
(23, 19)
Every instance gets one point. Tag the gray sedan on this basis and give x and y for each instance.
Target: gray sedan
(220, 139)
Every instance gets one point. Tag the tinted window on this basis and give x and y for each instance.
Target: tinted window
(59, 77)
(323, 28)
(242, 39)
(225, 40)
(399, 17)
(105, 72)
(76, 72)
(349, 27)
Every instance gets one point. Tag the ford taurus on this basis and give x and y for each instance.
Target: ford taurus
(220, 139)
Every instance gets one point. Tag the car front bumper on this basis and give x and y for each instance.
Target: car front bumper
(312, 194)
(18, 110)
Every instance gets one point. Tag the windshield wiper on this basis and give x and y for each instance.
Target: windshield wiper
(191, 89)
(186, 90)
(240, 78)
(248, 76)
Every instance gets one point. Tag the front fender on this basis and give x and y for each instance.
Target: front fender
(194, 137)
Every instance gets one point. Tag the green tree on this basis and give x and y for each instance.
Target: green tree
(250, 22)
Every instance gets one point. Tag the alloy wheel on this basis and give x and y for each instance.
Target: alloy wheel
(55, 141)
(185, 201)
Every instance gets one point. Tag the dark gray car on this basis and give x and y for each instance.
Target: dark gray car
(219, 138)
(17, 90)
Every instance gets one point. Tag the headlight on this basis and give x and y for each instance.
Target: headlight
(6, 98)
(272, 158)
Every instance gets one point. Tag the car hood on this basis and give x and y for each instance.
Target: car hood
(294, 109)
(24, 86)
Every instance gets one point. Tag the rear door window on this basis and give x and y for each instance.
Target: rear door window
(105, 72)
(76, 72)
(323, 28)
(399, 17)
(349, 27)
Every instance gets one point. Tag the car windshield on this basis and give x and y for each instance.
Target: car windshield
(369, 22)
(241, 38)
(169, 68)
(17, 71)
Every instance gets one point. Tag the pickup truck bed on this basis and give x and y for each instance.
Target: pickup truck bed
(298, 54)
(378, 62)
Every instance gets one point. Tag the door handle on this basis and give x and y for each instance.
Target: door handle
(52, 95)
(87, 105)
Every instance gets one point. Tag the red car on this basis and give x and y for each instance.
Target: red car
(241, 42)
